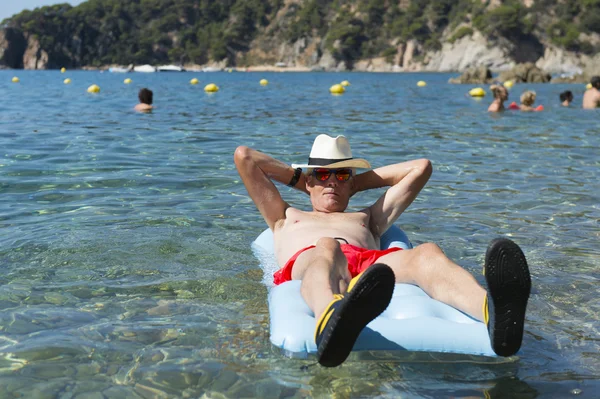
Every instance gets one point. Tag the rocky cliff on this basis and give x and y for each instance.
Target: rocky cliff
(12, 48)
(366, 35)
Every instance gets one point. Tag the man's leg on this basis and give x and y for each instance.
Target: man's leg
(324, 272)
(508, 279)
(428, 267)
(342, 307)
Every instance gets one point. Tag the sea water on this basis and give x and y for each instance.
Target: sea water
(125, 262)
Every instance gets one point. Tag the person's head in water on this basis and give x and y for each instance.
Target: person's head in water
(528, 98)
(145, 96)
(566, 97)
(500, 95)
(499, 92)
(595, 81)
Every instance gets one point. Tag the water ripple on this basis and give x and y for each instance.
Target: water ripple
(124, 244)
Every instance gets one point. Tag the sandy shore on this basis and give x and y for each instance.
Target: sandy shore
(272, 68)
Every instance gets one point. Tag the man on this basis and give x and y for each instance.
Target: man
(145, 97)
(346, 280)
(591, 97)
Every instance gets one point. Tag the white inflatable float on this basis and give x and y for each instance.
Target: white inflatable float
(412, 322)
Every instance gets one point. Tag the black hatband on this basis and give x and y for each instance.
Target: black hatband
(325, 161)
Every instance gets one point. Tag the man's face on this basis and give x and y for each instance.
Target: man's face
(330, 189)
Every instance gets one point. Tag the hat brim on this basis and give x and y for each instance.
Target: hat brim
(350, 163)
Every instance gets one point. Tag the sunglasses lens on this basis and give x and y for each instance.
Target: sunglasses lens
(322, 174)
(343, 174)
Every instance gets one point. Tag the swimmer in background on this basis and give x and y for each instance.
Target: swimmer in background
(591, 98)
(527, 100)
(566, 97)
(145, 105)
(500, 95)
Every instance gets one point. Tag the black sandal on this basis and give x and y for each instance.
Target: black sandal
(509, 285)
(368, 295)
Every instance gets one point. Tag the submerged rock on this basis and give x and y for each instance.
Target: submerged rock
(477, 75)
(525, 73)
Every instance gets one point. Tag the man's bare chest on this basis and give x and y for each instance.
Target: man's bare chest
(353, 220)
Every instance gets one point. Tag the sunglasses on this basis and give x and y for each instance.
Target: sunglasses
(340, 174)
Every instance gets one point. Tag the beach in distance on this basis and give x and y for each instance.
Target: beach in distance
(127, 267)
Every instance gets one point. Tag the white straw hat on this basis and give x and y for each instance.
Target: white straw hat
(329, 152)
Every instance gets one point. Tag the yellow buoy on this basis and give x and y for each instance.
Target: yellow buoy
(63, 70)
(345, 83)
(211, 88)
(93, 89)
(421, 83)
(194, 81)
(477, 92)
(67, 81)
(508, 84)
(337, 89)
(587, 86)
(127, 81)
(264, 82)
(15, 80)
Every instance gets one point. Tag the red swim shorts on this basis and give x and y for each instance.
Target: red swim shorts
(358, 260)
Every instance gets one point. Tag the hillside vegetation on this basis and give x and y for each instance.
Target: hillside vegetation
(101, 32)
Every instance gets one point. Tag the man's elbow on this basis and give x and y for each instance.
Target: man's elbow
(242, 154)
(425, 169)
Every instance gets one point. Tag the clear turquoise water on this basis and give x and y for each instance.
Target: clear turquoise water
(125, 260)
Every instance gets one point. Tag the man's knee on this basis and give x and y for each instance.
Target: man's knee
(329, 248)
(428, 254)
(327, 245)
(430, 248)
(429, 257)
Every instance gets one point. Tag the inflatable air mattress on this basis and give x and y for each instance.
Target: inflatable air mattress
(412, 322)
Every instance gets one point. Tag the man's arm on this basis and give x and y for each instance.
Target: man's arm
(257, 171)
(405, 180)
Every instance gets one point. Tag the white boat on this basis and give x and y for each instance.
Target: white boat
(211, 69)
(170, 68)
(119, 70)
(144, 68)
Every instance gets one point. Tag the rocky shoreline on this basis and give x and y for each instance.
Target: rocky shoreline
(473, 55)
(520, 73)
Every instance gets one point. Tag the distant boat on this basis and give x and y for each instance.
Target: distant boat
(170, 68)
(144, 68)
(211, 69)
(119, 70)
(281, 65)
